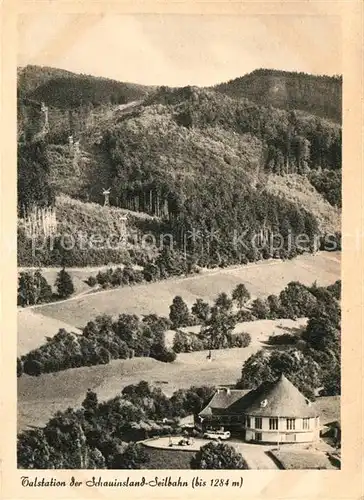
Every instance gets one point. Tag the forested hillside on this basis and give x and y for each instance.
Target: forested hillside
(64, 89)
(319, 95)
(210, 167)
(73, 101)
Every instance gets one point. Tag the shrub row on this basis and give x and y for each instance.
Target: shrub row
(101, 341)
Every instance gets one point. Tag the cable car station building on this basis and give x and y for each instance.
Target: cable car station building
(275, 412)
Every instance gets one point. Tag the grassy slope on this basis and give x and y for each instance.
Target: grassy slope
(39, 397)
(302, 459)
(261, 279)
(34, 328)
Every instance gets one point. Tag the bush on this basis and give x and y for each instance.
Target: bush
(283, 339)
(243, 315)
(101, 341)
(32, 367)
(181, 342)
(161, 353)
(241, 340)
(91, 281)
(218, 456)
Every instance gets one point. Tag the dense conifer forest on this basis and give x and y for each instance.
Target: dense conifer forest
(198, 160)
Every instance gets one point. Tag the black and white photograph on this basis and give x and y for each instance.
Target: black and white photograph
(179, 197)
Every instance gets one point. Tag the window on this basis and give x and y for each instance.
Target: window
(258, 422)
(247, 422)
(306, 423)
(291, 424)
(273, 424)
(258, 436)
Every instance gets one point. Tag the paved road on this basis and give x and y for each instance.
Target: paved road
(255, 455)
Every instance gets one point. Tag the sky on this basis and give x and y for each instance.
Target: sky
(178, 50)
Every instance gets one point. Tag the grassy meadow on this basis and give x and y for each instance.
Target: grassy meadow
(261, 279)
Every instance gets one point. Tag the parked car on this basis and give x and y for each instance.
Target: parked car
(223, 435)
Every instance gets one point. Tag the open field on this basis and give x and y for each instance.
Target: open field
(261, 279)
(302, 459)
(40, 397)
(34, 328)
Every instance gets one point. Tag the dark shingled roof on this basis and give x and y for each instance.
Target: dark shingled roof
(270, 399)
(222, 400)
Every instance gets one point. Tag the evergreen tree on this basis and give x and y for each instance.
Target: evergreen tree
(179, 313)
(64, 284)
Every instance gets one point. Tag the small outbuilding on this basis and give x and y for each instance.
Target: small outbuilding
(275, 412)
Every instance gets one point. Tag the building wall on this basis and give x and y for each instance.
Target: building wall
(282, 437)
(285, 433)
(300, 432)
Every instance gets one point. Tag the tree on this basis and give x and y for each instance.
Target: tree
(181, 342)
(218, 456)
(151, 272)
(43, 291)
(266, 366)
(90, 402)
(33, 288)
(219, 328)
(161, 353)
(260, 309)
(64, 284)
(133, 457)
(240, 295)
(274, 305)
(25, 289)
(191, 401)
(223, 302)
(34, 186)
(322, 333)
(33, 450)
(297, 300)
(335, 289)
(255, 370)
(201, 310)
(179, 313)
